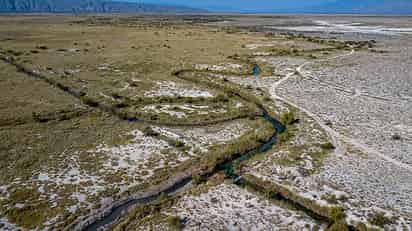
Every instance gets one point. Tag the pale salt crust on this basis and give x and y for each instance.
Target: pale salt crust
(138, 159)
(199, 139)
(5, 225)
(228, 207)
(347, 27)
(169, 88)
(142, 156)
(168, 109)
(220, 67)
(182, 111)
(370, 183)
(72, 175)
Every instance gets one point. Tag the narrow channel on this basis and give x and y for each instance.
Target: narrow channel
(120, 208)
(117, 211)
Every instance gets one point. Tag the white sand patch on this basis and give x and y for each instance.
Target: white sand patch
(19, 205)
(182, 111)
(361, 178)
(347, 27)
(5, 225)
(200, 138)
(43, 177)
(220, 67)
(172, 89)
(228, 207)
(168, 109)
(261, 53)
(140, 158)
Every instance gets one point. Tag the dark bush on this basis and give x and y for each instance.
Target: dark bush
(327, 146)
(178, 144)
(339, 226)
(175, 222)
(396, 137)
(42, 47)
(148, 131)
(288, 118)
(116, 95)
(379, 219)
(196, 179)
(90, 102)
(337, 214)
(122, 105)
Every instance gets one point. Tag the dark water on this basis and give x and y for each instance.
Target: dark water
(122, 209)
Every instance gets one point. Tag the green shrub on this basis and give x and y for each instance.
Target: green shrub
(361, 227)
(337, 214)
(42, 47)
(148, 131)
(196, 179)
(90, 102)
(396, 137)
(175, 222)
(177, 143)
(327, 146)
(285, 136)
(116, 95)
(330, 198)
(339, 226)
(122, 105)
(288, 118)
(267, 99)
(221, 98)
(379, 219)
(269, 194)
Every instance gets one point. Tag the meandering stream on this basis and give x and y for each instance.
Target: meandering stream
(120, 209)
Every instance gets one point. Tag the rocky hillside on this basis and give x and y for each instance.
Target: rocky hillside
(87, 6)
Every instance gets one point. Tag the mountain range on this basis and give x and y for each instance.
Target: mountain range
(297, 6)
(88, 6)
(401, 7)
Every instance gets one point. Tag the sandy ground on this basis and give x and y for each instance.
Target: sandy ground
(228, 207)
(366, 105)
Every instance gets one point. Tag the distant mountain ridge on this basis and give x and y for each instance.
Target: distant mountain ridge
(88, 6)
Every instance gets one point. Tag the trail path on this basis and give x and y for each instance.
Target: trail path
(338, 139)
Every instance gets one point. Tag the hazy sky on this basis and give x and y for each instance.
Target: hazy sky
(242, 5)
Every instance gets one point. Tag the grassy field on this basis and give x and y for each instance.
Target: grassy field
(51, 166)
(82, 99)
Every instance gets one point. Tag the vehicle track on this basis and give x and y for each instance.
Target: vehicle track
(338, 139)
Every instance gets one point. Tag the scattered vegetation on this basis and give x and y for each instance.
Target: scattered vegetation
(327, 146)
(396, 137)
(196, 179)
(175, 222)
(90, 101)
(219, 154)
(288, 118)
(339, 226)
(337, 217)
(148, 131)
(337, 214)
(155, 62)
(42, 47)
(330, 198)
(379, 219)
